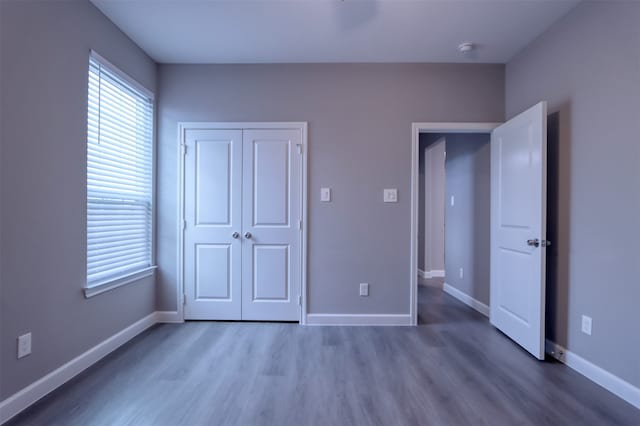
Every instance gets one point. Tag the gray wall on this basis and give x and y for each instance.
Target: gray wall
(359, 143)
(587, 66)
(44, 51)
(467, 242)
(431, 204)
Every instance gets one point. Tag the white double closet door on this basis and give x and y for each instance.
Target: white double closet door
(242, 230)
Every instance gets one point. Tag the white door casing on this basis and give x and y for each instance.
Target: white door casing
(243, 231)
(518, 228)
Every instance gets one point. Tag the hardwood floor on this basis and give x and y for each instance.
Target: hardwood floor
(453, 369)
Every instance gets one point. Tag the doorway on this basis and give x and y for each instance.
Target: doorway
(242, 211)
(455, 176)
(421, 130)
(518, 196)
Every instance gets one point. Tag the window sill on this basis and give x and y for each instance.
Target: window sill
(112, 283)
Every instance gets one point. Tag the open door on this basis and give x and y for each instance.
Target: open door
(518, 228)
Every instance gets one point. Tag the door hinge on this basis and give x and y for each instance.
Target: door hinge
(184, 149)
(299, 300)
(184, 299)
(184, 225)
(299, 148)
(300, 225)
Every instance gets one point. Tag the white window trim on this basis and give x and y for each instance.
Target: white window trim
(123, 75)
(112, 283)
(137, 275)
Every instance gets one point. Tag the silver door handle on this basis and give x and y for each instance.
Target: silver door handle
(535, 242)
(235, 235)
(247, 235)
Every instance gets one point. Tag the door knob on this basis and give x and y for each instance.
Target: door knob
(247, 235)
(535, 242)
(235, 235)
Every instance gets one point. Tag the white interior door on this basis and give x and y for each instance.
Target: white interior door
(271, 225)
(242, 230)
(518, 228)
(212, 211)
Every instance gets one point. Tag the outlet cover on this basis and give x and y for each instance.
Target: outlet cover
(364, 289)
(24, 345)
(586, 325)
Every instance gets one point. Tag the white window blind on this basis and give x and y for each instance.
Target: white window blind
(119, 175)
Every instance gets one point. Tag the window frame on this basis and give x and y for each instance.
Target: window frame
(112, 282)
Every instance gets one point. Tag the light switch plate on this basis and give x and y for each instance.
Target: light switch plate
(364, 289)
(24, 345)
(586, 324)
(325, 194)
(391, 195)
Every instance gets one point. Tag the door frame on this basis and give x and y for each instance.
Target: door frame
(416, 129)
(212, 125)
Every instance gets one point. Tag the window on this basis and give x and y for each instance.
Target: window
(119, 176)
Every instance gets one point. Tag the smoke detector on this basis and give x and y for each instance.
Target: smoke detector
(466, 47)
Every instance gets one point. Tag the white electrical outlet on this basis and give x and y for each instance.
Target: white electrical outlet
(24, 345)
(461, 272)
(325, 194)
(390, 195)
(453, 200)
(364, 289)
(586, 325)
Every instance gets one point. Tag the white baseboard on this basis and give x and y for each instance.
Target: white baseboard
(435, 273)
(602, 377)
(168, 317)
(356, 319)
(40, 388)
(466, 299)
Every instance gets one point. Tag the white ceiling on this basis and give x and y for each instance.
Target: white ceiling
(268, 31)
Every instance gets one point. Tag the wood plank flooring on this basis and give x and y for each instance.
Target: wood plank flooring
(453, 369)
